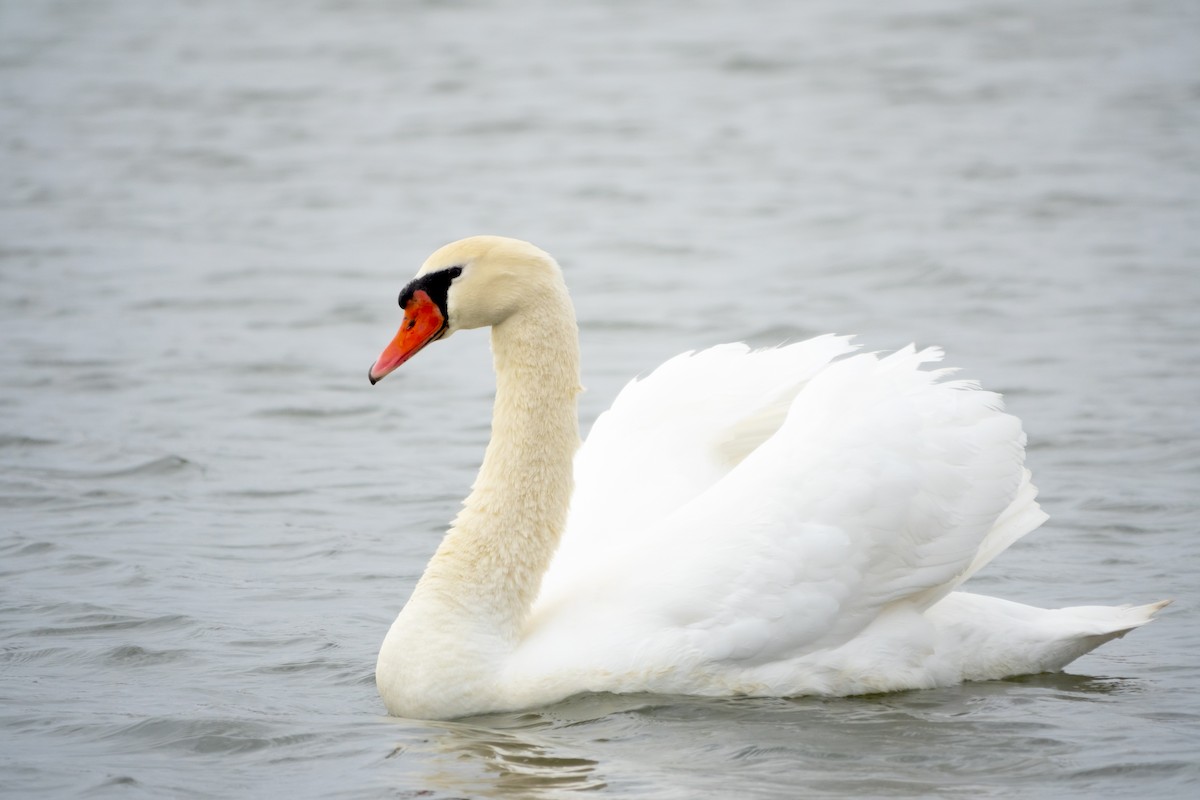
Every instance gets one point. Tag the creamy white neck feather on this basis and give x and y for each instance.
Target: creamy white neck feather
(468, 610)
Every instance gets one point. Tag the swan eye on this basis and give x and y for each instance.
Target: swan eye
(435, 284)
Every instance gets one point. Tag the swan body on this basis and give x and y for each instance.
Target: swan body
(775, 522)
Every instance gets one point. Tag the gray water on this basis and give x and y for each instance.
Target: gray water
(209, 518)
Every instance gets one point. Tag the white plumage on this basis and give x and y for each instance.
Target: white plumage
(775, 522)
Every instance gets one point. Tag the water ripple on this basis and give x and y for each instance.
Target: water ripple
(97, 623)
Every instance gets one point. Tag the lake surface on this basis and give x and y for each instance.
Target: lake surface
(208, 518)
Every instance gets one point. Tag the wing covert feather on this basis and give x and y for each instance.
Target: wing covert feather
(878, 488)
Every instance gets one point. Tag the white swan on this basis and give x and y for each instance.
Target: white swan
(776, 522)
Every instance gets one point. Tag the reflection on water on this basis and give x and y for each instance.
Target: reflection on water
(1067, 684)
(540, 753)
(508, 762)
(923, 741)
(907, 744)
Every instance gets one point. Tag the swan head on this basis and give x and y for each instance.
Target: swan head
(476, 282)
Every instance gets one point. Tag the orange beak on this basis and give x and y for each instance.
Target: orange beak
(423, 321)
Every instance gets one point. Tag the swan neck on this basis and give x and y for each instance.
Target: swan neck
(502, 541)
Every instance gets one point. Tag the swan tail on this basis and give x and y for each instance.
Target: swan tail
(1088, 627)
(990, 638)
(1110, 622)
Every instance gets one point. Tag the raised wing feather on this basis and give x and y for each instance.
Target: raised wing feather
(670, 436)
(879, 487)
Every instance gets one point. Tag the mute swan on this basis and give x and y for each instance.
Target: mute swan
(776, 522)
